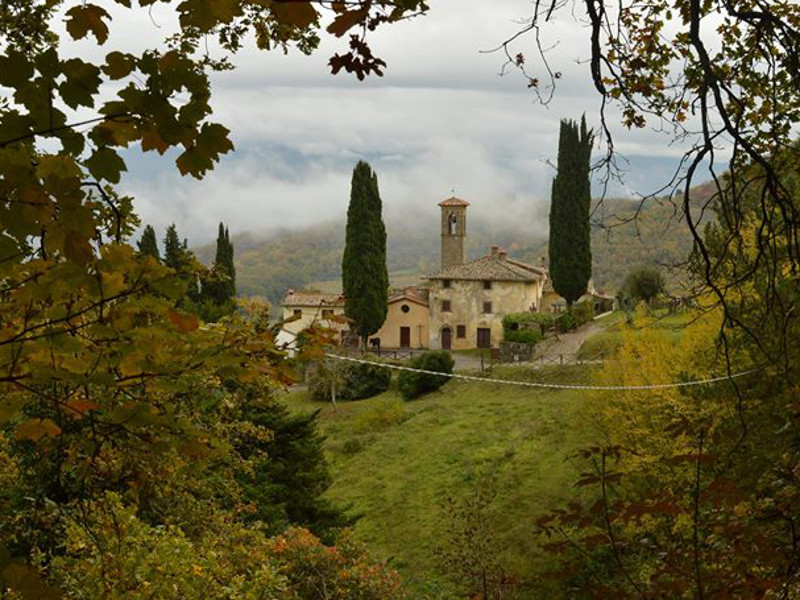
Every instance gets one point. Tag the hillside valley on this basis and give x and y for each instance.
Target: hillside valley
(311, 256)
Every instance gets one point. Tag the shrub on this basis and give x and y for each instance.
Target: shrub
(352, 381)
(644, 283)
(523, 336)
(583, 312)
(412, 385)
(565, 321)
(526, 321)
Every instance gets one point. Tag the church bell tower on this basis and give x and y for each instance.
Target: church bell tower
(454, 231)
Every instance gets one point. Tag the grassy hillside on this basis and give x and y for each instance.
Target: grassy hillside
(396, 462)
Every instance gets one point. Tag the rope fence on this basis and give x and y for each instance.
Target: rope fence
(552, 386)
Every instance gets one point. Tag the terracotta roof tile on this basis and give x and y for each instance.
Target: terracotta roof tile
(301, 298)
(453, 201)
(493, 267)
(414, 294)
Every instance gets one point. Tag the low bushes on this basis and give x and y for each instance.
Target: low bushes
(526, 327)
(583, 312)
(565, 322)
(580, 313)
(523, 336)
(412, 385)
(350, 380)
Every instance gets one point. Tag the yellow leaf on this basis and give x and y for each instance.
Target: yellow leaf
(347, 20)
(77, 248)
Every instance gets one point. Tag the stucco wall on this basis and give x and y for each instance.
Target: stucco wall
(466, 308)
(310, 315)
(453, 245)
(549, 299)
(417, 319)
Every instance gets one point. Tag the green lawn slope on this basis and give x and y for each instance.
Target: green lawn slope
(394, 463)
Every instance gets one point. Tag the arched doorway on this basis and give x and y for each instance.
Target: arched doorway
(447, 338)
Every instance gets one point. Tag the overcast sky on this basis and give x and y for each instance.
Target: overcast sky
(440, 119)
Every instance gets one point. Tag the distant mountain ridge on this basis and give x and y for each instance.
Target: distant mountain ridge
(269, 266)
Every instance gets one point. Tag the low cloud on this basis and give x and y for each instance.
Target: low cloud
(440, 120)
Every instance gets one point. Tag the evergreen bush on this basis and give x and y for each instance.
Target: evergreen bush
(526, 327)
(353, 381)
(523, 336)
(583, 312)
(412, 385)
(565, 322)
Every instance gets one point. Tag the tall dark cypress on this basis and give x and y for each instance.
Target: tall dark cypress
(365, 280)
(222, 287)
(147, 244)
(230, 269)
(178, 256)
(570, 234)
(174, 254)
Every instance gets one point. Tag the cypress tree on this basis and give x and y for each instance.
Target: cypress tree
(174, 253)
(221, 288)
(148, 246)
(570, 234)
(365, 280)
(178, 256)
(228, 266)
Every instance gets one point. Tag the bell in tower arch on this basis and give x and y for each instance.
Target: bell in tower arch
(454, 230)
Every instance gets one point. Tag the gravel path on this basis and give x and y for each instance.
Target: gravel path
(568, 344)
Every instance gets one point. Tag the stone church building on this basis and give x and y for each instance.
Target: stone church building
(460, 307)
(468, 299)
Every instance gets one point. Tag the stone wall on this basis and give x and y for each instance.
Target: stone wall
(516, 352)
(466, 308)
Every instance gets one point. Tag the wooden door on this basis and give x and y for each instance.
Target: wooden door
(484, 337)
(447, 338)
(405, 337)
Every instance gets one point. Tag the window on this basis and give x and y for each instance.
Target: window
(445, 305)
(461, 331)
(298, 312)
(487, 307)
(487, 285)
(446, 284)
(405, 308)
(327, 313)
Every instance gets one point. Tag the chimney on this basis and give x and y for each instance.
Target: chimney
(544, 262)
(495, 250)
(502, 254)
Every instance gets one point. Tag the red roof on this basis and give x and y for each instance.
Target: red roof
(304, 298)
(414, 294)
(453, 201)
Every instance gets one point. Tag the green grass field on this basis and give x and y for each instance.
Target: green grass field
(606, 342)
(395, 462)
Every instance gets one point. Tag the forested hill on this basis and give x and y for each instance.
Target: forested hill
(293, 259)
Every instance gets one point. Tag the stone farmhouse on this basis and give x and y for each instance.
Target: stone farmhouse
(460, 307)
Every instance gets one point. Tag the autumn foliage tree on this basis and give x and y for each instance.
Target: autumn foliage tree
(116, 422)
